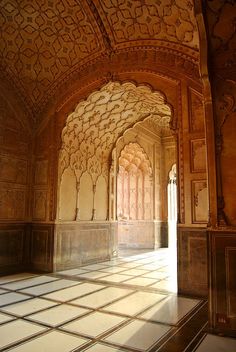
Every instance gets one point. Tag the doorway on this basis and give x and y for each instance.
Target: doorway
(172, 208)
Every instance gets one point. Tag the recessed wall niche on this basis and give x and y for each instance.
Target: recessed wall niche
(134, 184)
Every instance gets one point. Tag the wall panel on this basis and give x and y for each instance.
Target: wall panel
(222, 254)
(81, 243)
(14, 247)
(42, 240)
(192, 259)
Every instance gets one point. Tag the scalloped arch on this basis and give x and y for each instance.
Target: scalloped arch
(92, 130)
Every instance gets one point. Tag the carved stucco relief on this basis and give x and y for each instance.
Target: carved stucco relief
(92, 130)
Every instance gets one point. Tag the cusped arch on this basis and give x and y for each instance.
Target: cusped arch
(96, 123)
(93, 128)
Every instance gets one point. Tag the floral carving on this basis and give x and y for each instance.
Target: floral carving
(93, 128)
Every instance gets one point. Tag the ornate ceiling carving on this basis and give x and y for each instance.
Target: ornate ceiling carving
(41, 41)
(44, 44)
(135, 20)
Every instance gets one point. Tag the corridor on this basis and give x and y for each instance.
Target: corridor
(125, 304)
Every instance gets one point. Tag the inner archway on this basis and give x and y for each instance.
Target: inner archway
(134, 196)
(143, 155)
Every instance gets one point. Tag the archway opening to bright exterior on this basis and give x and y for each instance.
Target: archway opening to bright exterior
(172, 208)
(143, 158)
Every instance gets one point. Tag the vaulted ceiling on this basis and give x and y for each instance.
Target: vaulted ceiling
(43, 43)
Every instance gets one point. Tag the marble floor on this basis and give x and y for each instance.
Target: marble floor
(125, 304)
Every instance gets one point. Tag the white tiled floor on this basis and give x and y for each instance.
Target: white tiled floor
(15, 277)
(29, 282)
(94, 267)
(74, 292)
(94, 324)
(52, 341)
(2, 291)
(138, 334)
(28, 307)
(135, 272)
(58, 315)
(99, 347)
(166, 285)
(125, 304)
(170, 310)
(130, 265)
(12, 297)
(49, 287)
(17, 330)
(135, 303)
(116, 278)
(112, 270)
(140, 281)
(72, 271)
(156, 275)
(217, 344)
(93, 275)
(101, 298)
(5, 318)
